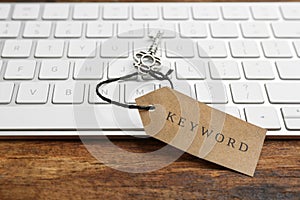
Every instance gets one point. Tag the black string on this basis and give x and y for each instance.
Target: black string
(155, 74)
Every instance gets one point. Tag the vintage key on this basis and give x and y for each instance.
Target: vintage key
(145, 61)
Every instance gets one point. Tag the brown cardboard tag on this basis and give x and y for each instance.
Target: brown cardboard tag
(202, 131)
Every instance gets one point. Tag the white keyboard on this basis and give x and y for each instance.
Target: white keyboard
(52, 55)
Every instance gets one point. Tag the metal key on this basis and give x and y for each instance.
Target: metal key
(145, 61)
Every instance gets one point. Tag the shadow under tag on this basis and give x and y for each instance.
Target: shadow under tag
(202, 131)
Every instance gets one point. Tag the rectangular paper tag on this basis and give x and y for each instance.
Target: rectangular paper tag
(202, 131)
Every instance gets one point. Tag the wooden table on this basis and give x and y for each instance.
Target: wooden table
(64, 169)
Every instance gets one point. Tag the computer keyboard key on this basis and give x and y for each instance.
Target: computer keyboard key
(234, 111)
(4, 11)
(175, 12)
(291, 112)
(131, 30)
(1, 64)
(211, 92)
(292, 124)
(290, 12)
(68, 29)
(297, 47)
(288, 70)
(203, 12)
(49, 49)
(134, 90)
(115, 49)
(6, 91)
(193, 30)
(169, 29)
(276, 49)
(54, 70)
(68, 93)
(286, 29)
(26, 11)
(37, 29)
(9, 29)
(258, 70)
(265, 12)
(88, 69)
(281, 92)
(224, 30)
(180, 49)
(99, 30)
(115, 12)
(82, 49)
(212, 49)
(226, 70)
(181, 86)
(111, 91)
(56, 11)
(244, 49)
(118, 68)
(235, 12)
(20, 70)
(265, 117)
(86, 11)
(190, 69)
(33, 93)
(255, 30)
(17, 48)
(144, 12)
(245, 93)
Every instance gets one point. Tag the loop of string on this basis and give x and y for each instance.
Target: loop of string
(155, 74)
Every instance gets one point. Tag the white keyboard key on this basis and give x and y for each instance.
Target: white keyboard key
(33, 93)
(297, 47)
(9, 29)
(286, 29)
(115, 12)
(49, 49)
(265, 12)
(6, 91)
(179, 49)
(181, 86)
(175, 12)
(131, 30)
(224, 30)
(134, 90)
(265, 117)
(283, 92)
(120, 67)
(289, 69)
(54, 70)
(56, 11)
(258, 70)
(17, 48)
(291, 112)
(82, 49)
(20, 70)
(88, 69)
(115, 49)
(227, 70)
(190, 69)
(26, 11)
(4, 11)
(169, 29)
(68, 93)
(212, 49)
(205, 12)
(99, 30)
(246, 93)
(86, 11)
(1, 64)
(235, 12)
(276, 49)
(111, 91)
(193, 29)
(234, 111)
(211, 92)
(37, 29)
(142, 12)
(292, 124)
(244, 49)
(290, 12)
(255, 30)
(68, 29)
